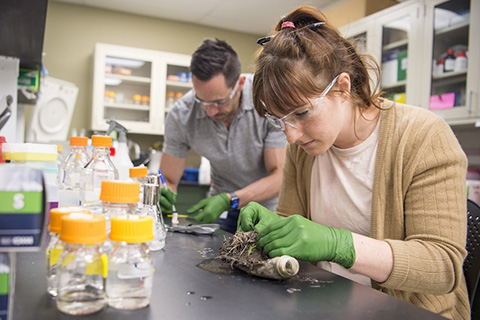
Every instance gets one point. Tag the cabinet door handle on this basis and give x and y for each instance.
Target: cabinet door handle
(469, 101)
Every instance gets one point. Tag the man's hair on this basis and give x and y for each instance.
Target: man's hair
(213, 57)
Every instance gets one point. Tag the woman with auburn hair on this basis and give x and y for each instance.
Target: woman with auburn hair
(372, 190)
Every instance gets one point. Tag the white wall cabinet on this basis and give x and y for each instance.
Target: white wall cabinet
(130, 86)
(452, 25)
(408, 38)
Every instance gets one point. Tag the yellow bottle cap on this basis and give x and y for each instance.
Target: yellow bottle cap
(56, 215)
(101, 141)
(138, 172)
(78, 141)
(82, 228)
(120, 191)
(59, 148)
(131, 228)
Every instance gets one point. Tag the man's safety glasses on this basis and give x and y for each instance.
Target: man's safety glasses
(221, 102)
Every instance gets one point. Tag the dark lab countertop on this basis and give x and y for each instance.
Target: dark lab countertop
(184, 291)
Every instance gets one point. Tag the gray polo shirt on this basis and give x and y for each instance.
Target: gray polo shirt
(235, 155)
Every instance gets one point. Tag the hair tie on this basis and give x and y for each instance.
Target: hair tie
(287, 24)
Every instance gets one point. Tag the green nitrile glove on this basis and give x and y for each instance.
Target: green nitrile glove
(255, 215)
(210, 208)
(306, 240)
(167, 199)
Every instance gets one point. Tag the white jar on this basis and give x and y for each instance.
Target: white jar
(461, 63)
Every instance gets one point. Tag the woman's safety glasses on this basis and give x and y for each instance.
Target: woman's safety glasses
(296, 117)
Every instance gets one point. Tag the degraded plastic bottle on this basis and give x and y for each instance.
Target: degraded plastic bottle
(74, 163)
(98, 169)
(55, 246)
(151, 189)
(83, 265)
(130, 270)
(119, 198)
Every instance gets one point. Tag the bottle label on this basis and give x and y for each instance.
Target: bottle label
(449, 64)
(97, 266)
(54, 255)
(134, 271)
(68, 259)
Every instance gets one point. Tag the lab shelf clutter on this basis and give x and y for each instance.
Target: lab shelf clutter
(136, 87)
(429, 53)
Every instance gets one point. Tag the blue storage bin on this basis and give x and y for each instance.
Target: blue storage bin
(190, 175)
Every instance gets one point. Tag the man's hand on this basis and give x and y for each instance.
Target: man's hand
(167, 199)
(210, 208)
(306, 240)
(255, 215)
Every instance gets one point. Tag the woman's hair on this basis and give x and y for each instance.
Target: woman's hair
(213, 57)
(298, 62)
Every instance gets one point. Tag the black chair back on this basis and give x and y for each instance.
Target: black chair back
(471, 266)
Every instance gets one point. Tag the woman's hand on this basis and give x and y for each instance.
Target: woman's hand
(306, 240)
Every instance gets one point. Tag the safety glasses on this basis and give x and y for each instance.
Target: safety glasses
(297, 117)
(218, 103)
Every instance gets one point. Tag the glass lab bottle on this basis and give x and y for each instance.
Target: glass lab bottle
(139, 174)
(74, 163)
(119, 198)
(130, 270)
(55, 246)
(82, 268)
(98, 169)
(150, 208)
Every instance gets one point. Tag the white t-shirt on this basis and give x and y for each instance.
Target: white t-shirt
(341, 193)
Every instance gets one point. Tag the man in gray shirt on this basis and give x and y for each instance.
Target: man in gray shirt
(217, 120)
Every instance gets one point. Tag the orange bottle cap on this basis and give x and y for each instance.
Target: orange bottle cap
(56, 215)
(131, 228)
(120, 191)
(82, 228)
(78, 141)
(101, 141)
(138, 172)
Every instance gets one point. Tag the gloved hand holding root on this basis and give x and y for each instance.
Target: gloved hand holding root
(167, 199)
(255, 215)
(210, 208)
(299, 237)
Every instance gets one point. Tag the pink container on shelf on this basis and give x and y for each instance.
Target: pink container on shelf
(444, 101)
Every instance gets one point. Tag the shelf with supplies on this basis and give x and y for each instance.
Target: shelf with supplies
(179, 84)
(429, 54)
(126, 106)
(130, 85)
(132, 79)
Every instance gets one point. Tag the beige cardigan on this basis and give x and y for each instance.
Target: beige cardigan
(418, 207)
